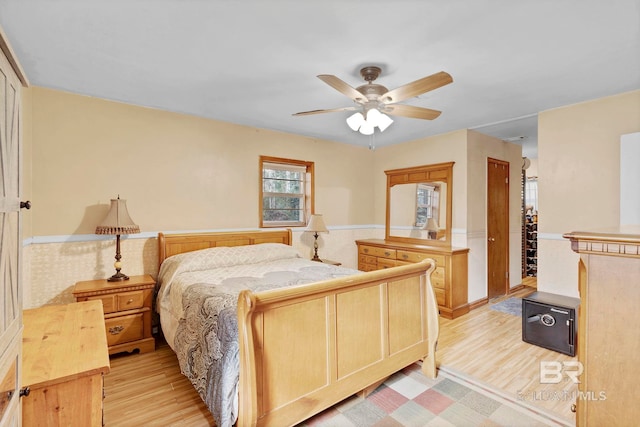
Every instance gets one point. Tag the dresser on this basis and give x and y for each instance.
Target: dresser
(64, 358)
(449, 279)
(127, 311)
(608, 339)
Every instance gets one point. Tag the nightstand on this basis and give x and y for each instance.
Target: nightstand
(127, 311)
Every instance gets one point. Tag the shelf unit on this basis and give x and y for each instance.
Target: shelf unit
(531, 245)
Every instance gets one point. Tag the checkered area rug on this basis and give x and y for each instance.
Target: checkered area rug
(408, 398)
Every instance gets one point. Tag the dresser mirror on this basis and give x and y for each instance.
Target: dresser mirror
(419, 204)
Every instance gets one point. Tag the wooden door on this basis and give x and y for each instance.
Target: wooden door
(10, 239)
(497, 228)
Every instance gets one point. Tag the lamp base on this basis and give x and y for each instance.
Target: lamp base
(118, 277)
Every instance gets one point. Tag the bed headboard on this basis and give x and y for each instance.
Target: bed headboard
(172, 244)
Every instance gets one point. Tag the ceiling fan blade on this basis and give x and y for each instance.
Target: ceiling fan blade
(411, 111)
(417, 87)
(343, 88)
(331, 110)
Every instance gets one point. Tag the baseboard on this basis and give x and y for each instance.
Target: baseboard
(478, 303)
(516, 288)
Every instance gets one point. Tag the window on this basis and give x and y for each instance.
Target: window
(286, 192)
(427, 203)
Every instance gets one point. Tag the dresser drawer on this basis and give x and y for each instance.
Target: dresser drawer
(439, 259)
(367, 267)
(130, 300)
(439, 296)
(386, 263)
(437, 278)
(410, 256)
(367, 259)
(419, 256)
(122, 329)
(378, 252)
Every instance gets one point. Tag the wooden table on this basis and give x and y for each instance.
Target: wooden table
(64, 358)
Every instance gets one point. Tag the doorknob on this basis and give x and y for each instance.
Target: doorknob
(492, 239)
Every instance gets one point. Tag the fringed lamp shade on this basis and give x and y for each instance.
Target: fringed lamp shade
(118, 220)
(116, 223)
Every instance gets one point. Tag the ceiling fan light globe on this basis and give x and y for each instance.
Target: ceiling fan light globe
(366, 128)
(355, 121)
(373, 117)
(384, 122)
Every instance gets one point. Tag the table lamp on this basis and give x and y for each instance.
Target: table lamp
(118, 222)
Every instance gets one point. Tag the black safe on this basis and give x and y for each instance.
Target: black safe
(551, 321)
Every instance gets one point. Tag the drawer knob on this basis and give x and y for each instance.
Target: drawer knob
(405, 256)
(387, 253)
(573, 408)
(116, 330)
(130, 301)
(365, 250)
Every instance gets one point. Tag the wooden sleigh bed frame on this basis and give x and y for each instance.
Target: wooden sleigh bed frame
(303, 349)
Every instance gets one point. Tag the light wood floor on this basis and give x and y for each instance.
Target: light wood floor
(148, 389)
(487, 345)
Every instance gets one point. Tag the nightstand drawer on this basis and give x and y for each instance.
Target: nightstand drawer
(130, 300)
(123, 329)
(109, 303)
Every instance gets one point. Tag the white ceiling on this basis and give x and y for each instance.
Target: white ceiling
(254, 62)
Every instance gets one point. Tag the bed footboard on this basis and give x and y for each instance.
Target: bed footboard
(305, 348)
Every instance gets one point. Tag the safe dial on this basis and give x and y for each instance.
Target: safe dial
(548, 320)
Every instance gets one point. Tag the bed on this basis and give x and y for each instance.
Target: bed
(292, 350)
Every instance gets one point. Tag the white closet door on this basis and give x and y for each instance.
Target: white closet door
(10, 245)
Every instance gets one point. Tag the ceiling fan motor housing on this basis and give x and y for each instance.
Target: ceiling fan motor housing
(372, 91)
(370, 73)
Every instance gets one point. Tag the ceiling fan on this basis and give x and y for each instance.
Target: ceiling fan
(374, 101)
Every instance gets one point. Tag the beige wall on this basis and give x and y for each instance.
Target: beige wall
(578, 179)
(177, 173)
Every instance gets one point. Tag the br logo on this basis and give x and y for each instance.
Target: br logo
(552, 372)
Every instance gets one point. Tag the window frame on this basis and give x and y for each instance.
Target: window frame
(309, 194)
(432, 205)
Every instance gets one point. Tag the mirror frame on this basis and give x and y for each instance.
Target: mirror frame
(442, 172)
